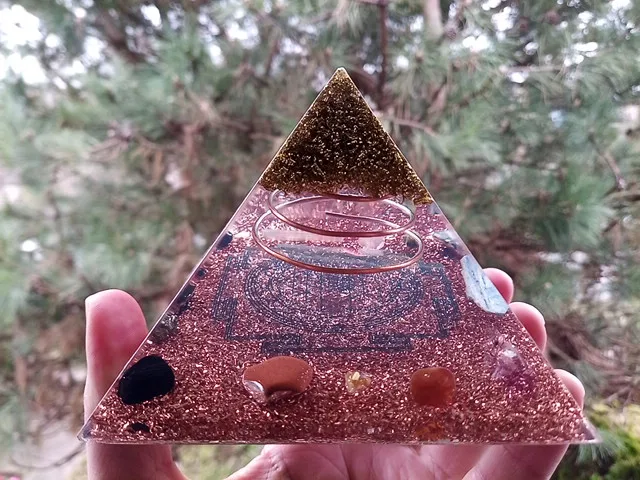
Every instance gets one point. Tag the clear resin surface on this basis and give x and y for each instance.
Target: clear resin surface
(338, 317)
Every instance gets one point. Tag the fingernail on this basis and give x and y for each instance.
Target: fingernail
(90, 301)
(93, 301)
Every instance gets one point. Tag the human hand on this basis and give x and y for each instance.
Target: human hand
(116, 327)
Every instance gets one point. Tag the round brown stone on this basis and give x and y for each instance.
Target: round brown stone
(433, 386)
(276, 376)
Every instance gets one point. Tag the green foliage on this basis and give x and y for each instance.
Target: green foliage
(574, 213)
(12, 420)
(549, 288)
(617, 457)
(14, 286)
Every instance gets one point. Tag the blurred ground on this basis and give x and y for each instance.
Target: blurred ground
(54, 456)
(61, 456)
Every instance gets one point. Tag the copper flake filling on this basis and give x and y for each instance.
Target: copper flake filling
(248, 307)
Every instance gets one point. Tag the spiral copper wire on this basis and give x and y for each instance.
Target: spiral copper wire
(395, 229)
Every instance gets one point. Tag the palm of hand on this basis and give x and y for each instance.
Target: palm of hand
(115, 328)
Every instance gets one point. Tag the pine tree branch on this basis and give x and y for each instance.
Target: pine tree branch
(322, 17)
(433, 19)
(273, 51)
(438, 102)
(57, 214)
(628, 88)
(412, 124)
(377, 90)
(373, 2)
(117, 39)
(365, 82)
(556, 350)
(534, 69)
(467, 99)
(454, 25)
(138, 18)
(222, 30)
(384, 40)
(621, 183)
(627, 196)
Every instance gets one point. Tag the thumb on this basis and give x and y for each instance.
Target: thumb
(115, 329)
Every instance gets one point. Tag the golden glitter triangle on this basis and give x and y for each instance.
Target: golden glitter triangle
(340, 145)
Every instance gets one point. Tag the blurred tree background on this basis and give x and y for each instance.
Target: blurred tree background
(131, 130)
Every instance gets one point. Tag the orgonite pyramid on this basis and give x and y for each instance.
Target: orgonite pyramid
(338, 305)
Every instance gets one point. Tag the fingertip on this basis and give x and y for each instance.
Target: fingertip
(573, 384)
(502, 281)
(113, 314)
(115, 329)
(532, 320)
(110, 299)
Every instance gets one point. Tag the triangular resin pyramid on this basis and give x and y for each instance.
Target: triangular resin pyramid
(338, 305)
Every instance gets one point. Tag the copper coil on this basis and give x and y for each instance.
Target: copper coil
(340, 233)
(394, 230)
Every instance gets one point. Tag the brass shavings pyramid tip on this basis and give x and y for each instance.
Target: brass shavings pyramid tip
(339, 144)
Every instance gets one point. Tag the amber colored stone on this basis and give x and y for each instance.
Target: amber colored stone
(277, 376)
(357, 381)
(433, 386)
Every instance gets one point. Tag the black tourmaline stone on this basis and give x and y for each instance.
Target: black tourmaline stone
(148, 378)
(139, 427)
(224, 241)
(185, 293)
(182, 301)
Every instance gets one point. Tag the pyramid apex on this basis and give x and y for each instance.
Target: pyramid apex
(339, 145)
(342, 72)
